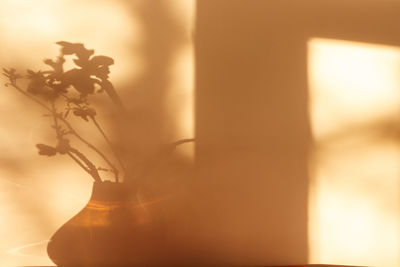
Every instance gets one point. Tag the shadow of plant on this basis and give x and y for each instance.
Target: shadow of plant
(115, 227)
(63, 92)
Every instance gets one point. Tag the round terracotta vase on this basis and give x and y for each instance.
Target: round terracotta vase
(113, 229)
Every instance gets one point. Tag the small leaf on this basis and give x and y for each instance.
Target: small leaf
(79, 112)
(84, 112)
(102, 61)
(46, 150)
(75, 48)
(11, 75)
(63, 146)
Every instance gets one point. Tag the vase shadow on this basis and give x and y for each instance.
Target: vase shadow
(113, 229)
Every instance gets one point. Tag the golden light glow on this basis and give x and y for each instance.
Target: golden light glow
(351, 84)
(34, 26)
(180, 100)
(354, 192)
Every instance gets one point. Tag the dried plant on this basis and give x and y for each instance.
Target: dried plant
(63, 93)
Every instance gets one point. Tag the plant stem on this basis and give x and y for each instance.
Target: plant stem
(108, 142)
(157, 159)
(114, 170)
(54, 113)
(29, 96)
(91, 169)
(73, 132)
(78, 162)
(180, 142)
(71, 129)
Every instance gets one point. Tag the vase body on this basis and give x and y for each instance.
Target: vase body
(113, 229)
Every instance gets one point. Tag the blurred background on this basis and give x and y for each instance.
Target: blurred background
(294, 106)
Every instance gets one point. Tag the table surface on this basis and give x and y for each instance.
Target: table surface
(306, 265)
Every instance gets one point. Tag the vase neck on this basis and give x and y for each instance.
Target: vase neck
(110, 191)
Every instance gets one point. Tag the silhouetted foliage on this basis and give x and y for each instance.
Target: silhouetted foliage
(11, 75)
(63, 92)
(69, 90)
(46, 150)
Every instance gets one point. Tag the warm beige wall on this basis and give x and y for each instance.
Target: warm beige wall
(247, 203)
(252, 122)
(252, 130)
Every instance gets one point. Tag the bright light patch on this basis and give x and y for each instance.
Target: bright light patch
(351, 83)
(354, 203)
(33, 27)
(180, 100)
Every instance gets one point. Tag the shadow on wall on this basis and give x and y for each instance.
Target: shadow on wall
(246, 201)
(147, 111)
(252, 131)
(150, 234)
(151, 123)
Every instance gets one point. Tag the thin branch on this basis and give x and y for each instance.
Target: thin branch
(79, 163)
(54, 113)
(180, 142)
(114, 169)
(73, 132)
(108, 142)
(92, 170)
(157, 159)
(30, 97)
(104, 169)
(71, 129)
